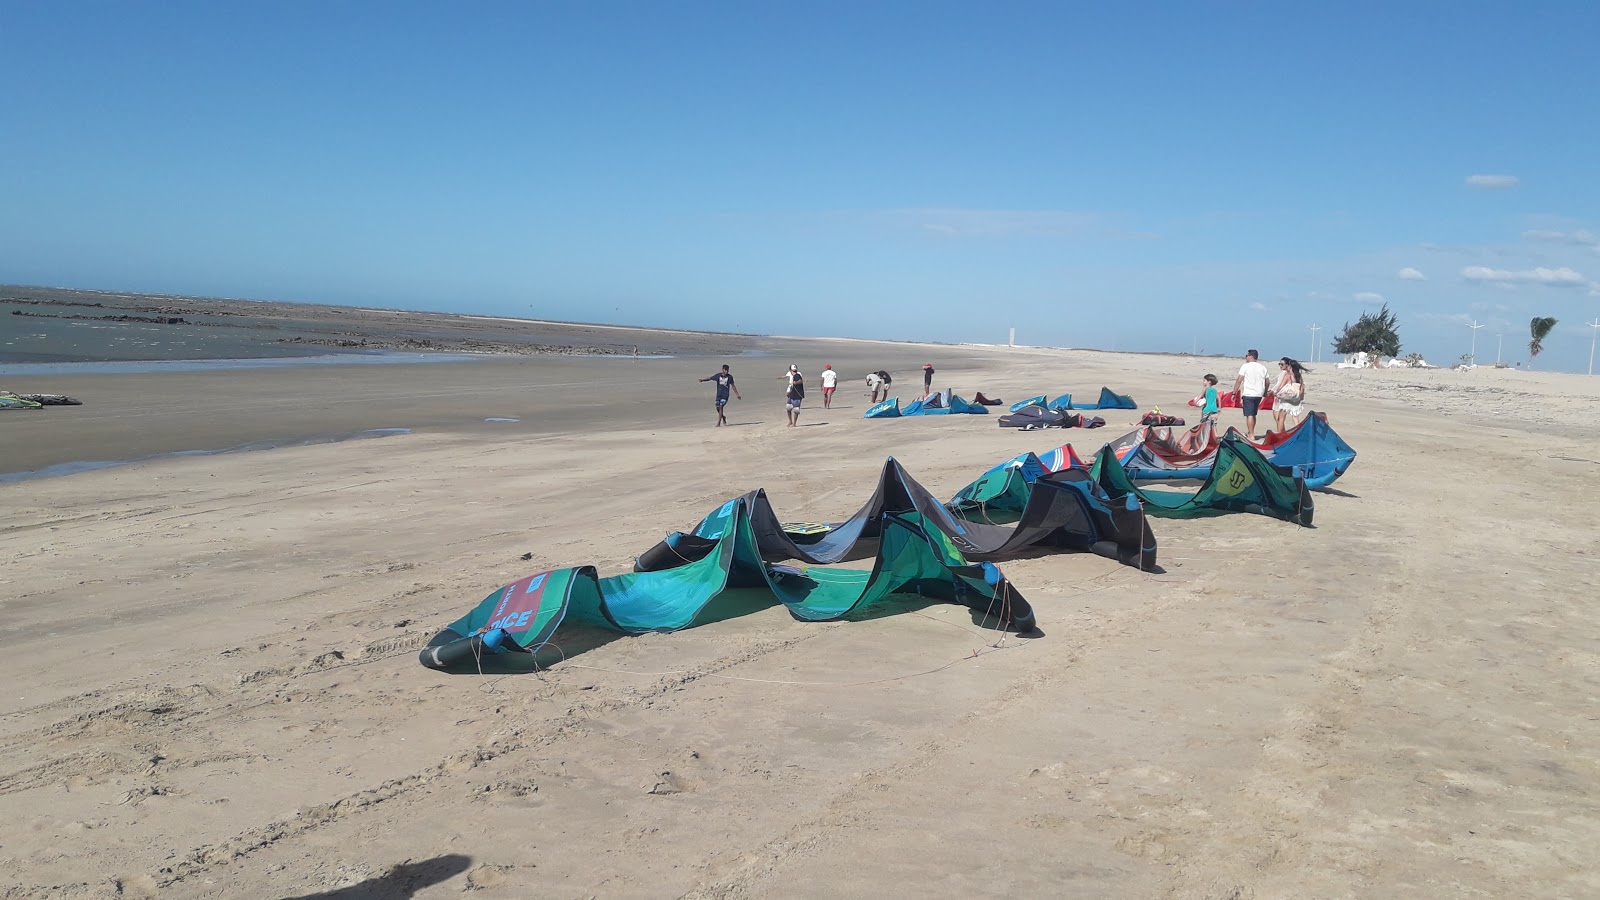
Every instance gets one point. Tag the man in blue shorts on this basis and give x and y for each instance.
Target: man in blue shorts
(1251, 386)
(724, 380)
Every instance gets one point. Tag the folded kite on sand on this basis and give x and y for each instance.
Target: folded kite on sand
(921, 547)
(913, 558)
(1074, 515)
(1031, 418)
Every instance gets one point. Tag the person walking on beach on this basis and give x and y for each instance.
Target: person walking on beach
(724, 380)
(1289, 393)
(830, 381)
(927, 380)
(796, 393)
(1209, 408)
(1251, 386)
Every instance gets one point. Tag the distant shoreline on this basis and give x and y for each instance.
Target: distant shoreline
(280, 327)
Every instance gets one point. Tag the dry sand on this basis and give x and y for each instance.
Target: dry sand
(211, 687)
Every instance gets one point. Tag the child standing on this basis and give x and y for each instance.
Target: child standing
(1210, 408)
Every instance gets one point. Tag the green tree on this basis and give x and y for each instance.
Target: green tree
(1539, 329)
(1375, 334)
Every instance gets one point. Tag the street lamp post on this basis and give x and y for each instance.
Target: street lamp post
(1474, 326)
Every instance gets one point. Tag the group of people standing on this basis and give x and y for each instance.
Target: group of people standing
(795, 389)
(1253, 384)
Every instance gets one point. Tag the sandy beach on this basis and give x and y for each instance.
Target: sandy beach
(211, 686)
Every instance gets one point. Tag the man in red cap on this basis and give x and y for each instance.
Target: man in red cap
(927, 380)
(830, 380)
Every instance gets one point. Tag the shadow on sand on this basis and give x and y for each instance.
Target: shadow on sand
(400, 882)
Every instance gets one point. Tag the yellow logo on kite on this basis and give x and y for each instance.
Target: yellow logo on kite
(1235, 480)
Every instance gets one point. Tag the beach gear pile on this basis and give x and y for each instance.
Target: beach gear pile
(741, 558)
(945, 403)
(1033, 418)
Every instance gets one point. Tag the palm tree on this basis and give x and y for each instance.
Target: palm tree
(1540, 329)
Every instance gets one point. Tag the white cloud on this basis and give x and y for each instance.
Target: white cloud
(1562, 277)
(1368, 297)
(1579, 238)
(1259, 307)
(1410, 274)
(1493, 182)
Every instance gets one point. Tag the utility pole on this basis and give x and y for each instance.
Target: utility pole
(1592, 335)
(1474, 326)
(1314, 330)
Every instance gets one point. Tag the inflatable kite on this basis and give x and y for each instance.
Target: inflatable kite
(690, 579)
(942, 403)
(1077, 517)
(912, 558)
(1241, 480)
(1311, 450)
(1109, 399)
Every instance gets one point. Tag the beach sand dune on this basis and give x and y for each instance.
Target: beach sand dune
(211, 685)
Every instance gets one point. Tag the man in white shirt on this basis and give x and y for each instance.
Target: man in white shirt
(1251, 386)
(873, 383)
(830, 380)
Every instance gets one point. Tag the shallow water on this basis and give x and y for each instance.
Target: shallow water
(138, 366)
(73, 468)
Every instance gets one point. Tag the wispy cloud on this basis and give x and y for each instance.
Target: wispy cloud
(1367, 297)
(992, 223)
(1259, 307)
(1562, 277)
(1493, 182)
(1580, 238)
(1410, 274)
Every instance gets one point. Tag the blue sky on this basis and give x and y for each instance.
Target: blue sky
(1129, 176)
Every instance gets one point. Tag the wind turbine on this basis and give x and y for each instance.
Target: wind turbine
(1592, 335)
(1499, 339)
(1314, 329)
(1474, 326)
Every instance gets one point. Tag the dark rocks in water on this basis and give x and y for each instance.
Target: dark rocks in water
(467, 345)
(45, 399)
(154, 320)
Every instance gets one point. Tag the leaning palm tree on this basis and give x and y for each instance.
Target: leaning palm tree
(1540, 329)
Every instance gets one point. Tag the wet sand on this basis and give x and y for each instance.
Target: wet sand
(212, 688)
(144, 414)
